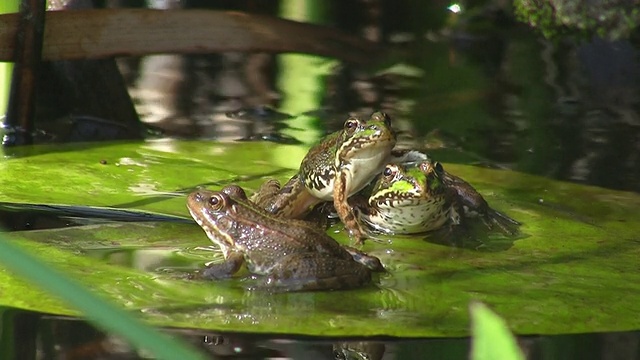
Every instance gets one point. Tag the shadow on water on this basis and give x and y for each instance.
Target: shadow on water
(41, 336)
(18, 216)
(475, 236)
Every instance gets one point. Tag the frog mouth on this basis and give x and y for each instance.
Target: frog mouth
(373, 152)
(397, 201)
(196, 217)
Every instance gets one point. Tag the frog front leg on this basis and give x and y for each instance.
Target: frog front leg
(344, 210)
(225, 269)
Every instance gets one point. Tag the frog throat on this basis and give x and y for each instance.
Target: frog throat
(218, 237)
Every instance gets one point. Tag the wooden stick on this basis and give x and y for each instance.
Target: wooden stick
(100, 33)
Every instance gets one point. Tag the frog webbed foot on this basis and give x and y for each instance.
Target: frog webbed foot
(506, 224)
(375, 236)
(371, 262)
(354, 227)
(358, 234)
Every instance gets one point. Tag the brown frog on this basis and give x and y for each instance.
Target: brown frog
(292, 254)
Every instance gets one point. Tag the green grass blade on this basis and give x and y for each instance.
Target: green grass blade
(104, 314)
(491, 338)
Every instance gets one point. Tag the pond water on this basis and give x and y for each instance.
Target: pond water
(479, 90)
(45, 336)
(482, 84)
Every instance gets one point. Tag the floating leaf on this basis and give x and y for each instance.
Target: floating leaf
(577, 252)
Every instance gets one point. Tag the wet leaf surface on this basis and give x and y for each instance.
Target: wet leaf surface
(574, 267)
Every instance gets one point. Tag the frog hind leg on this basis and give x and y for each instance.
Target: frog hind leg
(222, 270)
(291, 200)
(475, 205)
(266, 193)
(313, 271)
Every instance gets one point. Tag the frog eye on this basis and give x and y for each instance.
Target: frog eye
(438, 167)
(216, 201)
(351, 124)
(390, 171)
(382, 116)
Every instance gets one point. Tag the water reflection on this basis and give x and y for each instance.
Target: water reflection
(559, 109)
(42, 336)
(494, 89)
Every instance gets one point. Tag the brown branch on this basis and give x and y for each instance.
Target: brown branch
(83, 34)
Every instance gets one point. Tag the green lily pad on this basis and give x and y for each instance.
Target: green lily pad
(565, 273)
(150, 176)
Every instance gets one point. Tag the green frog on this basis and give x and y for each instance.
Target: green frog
(418, 197)
(292, 254)
(339, 166)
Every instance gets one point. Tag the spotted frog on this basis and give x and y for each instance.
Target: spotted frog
(292, 254)
(418, 197)
(342, 164)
